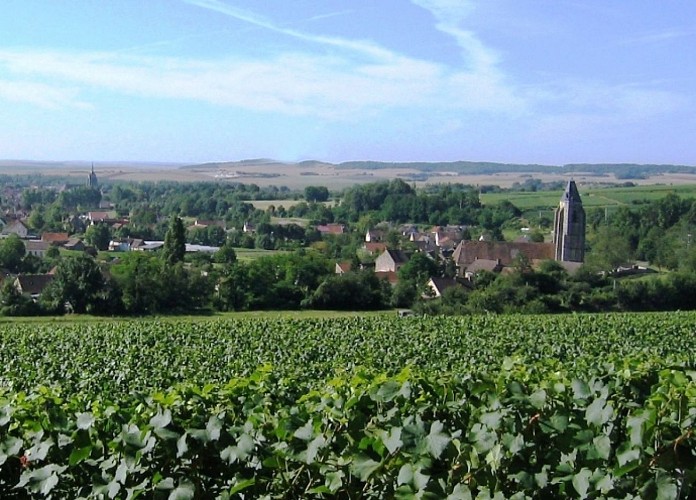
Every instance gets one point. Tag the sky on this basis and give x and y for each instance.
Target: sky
(516, 81)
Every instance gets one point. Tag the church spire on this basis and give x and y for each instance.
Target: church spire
(569, 226)
(571, 193)
(92, 181)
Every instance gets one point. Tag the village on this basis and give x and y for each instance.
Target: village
(411, 262)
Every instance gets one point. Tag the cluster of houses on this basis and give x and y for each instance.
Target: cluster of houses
(473, 257)
(441, 242)
(32, 285)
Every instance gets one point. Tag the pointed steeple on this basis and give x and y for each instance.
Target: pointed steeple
(92, 179)
(571, 193)
(569, 226)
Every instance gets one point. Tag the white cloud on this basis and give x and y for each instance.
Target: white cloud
(659, 37)
(290, 83)
(625, 101)
(450, 16)
(359, 79)
(359, 46)
(41, 95)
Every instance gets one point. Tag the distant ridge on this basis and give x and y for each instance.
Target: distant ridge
(620, 170)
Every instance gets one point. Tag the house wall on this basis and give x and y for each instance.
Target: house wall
(385, 263)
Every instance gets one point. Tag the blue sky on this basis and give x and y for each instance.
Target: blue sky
(527, 81)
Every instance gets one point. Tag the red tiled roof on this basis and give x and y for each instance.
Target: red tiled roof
(55, 237)
(331, 228)
(468, 251)
(374, 246)
(344, 267)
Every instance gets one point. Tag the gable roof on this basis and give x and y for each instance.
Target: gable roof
(331, 228)
(343, 267)
(36, 245)
(439, 284)
(484, 265)
(375, 246)
(98, 216)
(33, 284)
(14, 226)
(55, 237)
(504, 251)
(398, 256)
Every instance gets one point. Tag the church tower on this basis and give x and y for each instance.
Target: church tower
(569, 226)
(92, 179)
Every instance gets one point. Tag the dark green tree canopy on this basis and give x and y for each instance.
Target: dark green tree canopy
(12, 251)
(77, 284)
(174, 242)
(98, 235)
(316, 193)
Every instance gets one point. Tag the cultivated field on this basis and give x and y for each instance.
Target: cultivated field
(300, 175)
(370, 407)
(592, 197)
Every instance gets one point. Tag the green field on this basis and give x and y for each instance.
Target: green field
(247, 254)
(350, 407)
(264, 204)
(591, 197)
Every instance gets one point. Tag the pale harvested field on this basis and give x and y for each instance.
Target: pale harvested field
(299, 176)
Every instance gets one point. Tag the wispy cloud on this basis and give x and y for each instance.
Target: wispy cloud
(360, 46)
(360, 77)
(328, 15)
(359, 80)
(450, 16)
(292, 83)
(659, 37)
(41, 95)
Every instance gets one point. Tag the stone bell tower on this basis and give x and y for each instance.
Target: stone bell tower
(569, 226)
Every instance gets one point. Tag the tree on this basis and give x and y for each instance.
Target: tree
(609, 249)
(226, 254)
(12, 250)
(52, 252)
(233, 292)
(99, 236)
(174, 242)
(351, 291)
(13, 303)
(419, 268)
(316, 194)
(36, 219)
(137, 274)
(77, 283)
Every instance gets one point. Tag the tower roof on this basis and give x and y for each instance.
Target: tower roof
(571, 192)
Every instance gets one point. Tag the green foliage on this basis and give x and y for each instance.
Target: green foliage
(542, 407)
(174, 242)
(419, 268)
(78, 285)
(148, 285)
(316, 194)
(12, 251)
(226, 254)
(13, 303)
(99, 236)
(355, 291)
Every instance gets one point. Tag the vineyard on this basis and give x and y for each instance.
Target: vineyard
(583, 406)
